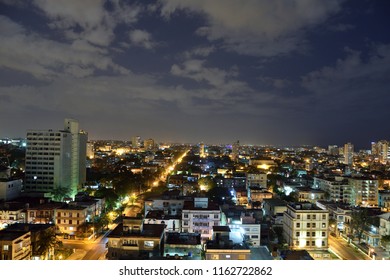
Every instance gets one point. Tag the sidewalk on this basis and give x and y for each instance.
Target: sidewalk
(379, 252)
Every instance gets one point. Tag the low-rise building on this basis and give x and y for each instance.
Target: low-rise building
(257, 194)
(132, 239)
(310, 195)
(273, 210)
(70, 219)
(222, 247)
(183, 245)
(43, 213)
(10, 188)
(172, 222)
(15, 245)
(12, 213)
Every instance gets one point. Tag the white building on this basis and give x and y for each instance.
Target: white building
(337, 187)
(199, 216)
(56, 159)
(10, 188)
(348, 153)
(305, 227)
(364, 191)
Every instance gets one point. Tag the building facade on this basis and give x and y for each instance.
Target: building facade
(56, 159)
(305, 227)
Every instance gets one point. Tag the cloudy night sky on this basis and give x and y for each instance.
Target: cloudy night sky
(282, 72)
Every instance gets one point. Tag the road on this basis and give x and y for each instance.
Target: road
(88, 249)
(344, 250)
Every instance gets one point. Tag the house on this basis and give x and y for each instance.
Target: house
(132, 239)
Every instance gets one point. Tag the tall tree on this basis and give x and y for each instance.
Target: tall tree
(359, 221)
(45, 243)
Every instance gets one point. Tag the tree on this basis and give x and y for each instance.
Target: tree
(45, 243)
(359, 220)
(206, 183)
(59, 193)
(385, 241)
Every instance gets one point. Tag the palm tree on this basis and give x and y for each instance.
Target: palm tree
(45, 243)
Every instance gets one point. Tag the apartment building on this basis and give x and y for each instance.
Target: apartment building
(364, 191)
(15, 245)
(56, 159)
(199, 216)
(132, 239)
(305, 226)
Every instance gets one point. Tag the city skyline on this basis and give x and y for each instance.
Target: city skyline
(265, 73)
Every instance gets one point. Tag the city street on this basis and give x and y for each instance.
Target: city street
(344, 250)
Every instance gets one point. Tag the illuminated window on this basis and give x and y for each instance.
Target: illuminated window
(149, 244)
(323, 225)
(5, 247)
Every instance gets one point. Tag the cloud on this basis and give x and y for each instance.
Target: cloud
(47, 59)
(88, 19)
(142, 38)
(262, 28)
(275, 82)
(356, 81)
(195, 69)
(199, 52)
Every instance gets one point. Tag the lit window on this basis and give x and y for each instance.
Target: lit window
(149, 244)
(5, 247)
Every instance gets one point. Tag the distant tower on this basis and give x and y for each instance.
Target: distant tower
(383, 151)
(149, 144)
(201, 150)
(136, 142)
(235, 150)
(348, 153)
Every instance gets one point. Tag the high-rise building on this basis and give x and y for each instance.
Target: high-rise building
(348, 153)
(136, 142)
(56, 160)
(201, 150)
(149, 144)
(90, 150)
(383, 151)
(235, 150)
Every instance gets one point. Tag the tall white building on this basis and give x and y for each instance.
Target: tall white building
(56, 159)
(348, 153)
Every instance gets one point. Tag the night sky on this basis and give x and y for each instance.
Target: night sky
(280, 72)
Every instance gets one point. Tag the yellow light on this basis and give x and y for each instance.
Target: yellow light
(264, 166)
